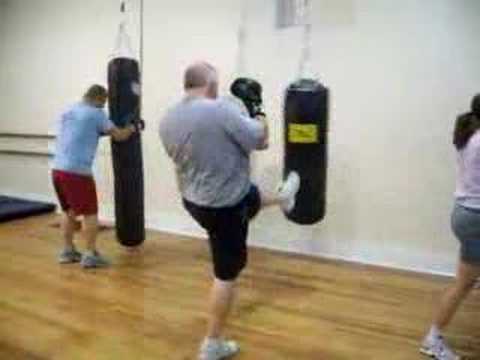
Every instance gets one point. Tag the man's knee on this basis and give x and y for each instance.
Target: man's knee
(70, 215)
(230, 270)
(72, 220)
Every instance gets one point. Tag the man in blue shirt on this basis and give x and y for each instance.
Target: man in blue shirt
(80, 129)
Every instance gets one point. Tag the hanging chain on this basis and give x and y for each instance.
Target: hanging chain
(241, 41)
(306, 52)
(141, 38)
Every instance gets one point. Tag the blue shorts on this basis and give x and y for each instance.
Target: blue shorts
(466, 227)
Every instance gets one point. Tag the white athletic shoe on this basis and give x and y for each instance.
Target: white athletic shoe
(69, 256)
(288, 191)
(217, 349)
(438, 349)
(95, 260)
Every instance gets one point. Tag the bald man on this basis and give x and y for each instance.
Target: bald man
(210, 142)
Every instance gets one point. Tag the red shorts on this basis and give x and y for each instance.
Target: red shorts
(75, 192)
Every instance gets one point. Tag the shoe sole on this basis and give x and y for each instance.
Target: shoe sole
(291, 205)
(427, 353)
(235, 351)
(68, 261)
(96, 266)
(432, 355)
(225, 357)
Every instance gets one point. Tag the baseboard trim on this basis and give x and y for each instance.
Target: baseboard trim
(186, 230)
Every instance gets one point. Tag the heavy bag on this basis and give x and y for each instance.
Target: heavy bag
(124, 106)
(305, 141)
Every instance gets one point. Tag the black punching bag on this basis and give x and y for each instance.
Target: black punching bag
(306, 129)
(124, 106)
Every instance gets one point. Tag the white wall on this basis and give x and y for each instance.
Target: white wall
(3, 9)
(399, 73)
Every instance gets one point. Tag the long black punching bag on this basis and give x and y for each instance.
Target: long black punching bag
(305, 139)
(124, 106)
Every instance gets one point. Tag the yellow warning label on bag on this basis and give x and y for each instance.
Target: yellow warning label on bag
(302, 133)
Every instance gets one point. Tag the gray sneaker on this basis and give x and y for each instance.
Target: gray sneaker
(288, 191)
(69, 256)
(95, 260)
(217, 349)
(438, 349)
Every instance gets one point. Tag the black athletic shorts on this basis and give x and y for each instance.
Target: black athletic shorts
(227, 229)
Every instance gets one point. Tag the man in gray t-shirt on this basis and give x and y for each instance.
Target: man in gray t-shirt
(210, 141)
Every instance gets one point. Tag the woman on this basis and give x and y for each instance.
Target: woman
(465, 225)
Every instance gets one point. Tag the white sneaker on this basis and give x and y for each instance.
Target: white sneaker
(438, 349)
(69, 256)
(217, 349)
(288, 191)
(94, 260)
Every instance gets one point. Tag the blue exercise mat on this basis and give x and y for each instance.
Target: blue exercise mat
(14, 208)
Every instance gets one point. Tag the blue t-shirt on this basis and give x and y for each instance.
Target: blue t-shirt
(79, 130)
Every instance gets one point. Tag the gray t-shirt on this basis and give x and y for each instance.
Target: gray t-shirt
(210, 142)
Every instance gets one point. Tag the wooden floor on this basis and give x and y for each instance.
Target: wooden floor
(153, 306)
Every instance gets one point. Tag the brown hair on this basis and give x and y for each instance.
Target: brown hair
(198, 75)
(467, 124)
(95, 91)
